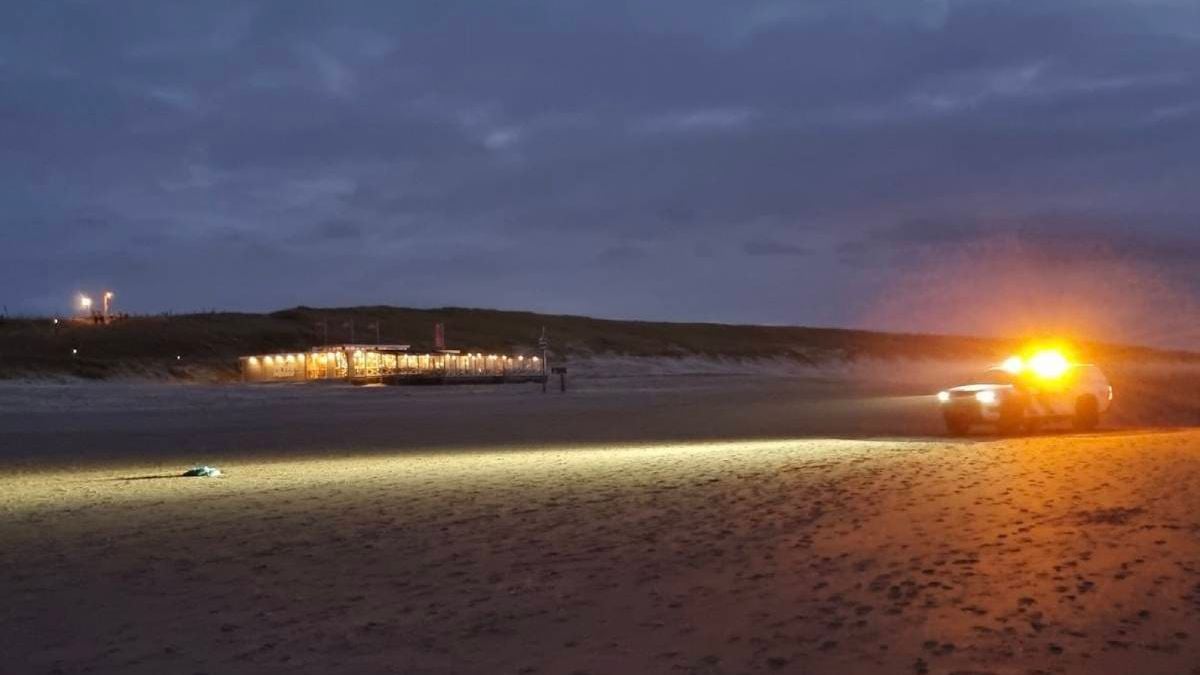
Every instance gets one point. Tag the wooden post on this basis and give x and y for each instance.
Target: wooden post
(544, 343)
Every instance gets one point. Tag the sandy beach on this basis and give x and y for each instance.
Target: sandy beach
(695, 525)
(877, 325)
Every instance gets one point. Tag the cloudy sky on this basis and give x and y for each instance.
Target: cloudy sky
(862, 163)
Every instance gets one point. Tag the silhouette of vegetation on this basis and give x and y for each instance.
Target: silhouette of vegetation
(206, 345)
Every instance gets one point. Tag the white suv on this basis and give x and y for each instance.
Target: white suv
(1015, 396)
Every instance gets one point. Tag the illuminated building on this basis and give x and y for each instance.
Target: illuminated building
(389, 364)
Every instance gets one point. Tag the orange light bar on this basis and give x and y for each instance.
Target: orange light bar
(1049, 364)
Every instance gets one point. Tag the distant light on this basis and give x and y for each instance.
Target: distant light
(943, 396)
(986, 397)
(178, 357)
(85, 302)
(56, 322)
(74, 352)
(108, 295)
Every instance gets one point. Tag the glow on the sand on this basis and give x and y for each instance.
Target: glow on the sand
(624, 462)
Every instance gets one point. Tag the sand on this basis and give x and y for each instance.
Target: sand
(695, 525)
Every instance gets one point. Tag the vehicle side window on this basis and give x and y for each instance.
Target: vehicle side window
(1089, 376)
(997, 377)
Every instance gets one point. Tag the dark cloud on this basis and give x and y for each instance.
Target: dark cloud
(517, 154)
(764, 247)
(338, 230)
(621, 253)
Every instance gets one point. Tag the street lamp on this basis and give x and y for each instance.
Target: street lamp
(108, 296)
(85, 303)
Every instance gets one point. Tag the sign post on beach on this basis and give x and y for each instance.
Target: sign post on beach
(544, 344)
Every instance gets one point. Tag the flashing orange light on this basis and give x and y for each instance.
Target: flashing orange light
(1049, 364)
(1045, 364)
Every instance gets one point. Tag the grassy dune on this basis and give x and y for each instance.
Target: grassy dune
(208, 344)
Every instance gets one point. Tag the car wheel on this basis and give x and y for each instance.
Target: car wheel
(1012, 417)
(1087, 413)
(957, 425)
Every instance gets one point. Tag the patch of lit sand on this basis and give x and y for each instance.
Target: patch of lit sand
(1070, 553)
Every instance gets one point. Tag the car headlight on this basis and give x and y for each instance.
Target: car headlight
(943, 397)
(986, 397)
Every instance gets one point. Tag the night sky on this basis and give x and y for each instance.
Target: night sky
(970, 166)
